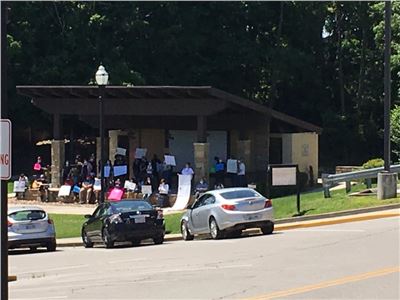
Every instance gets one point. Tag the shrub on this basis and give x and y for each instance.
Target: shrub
(374, 163)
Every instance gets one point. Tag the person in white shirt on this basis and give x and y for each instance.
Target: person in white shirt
(241, 173)
(163, 189)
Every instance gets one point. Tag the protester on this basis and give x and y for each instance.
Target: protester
(187, 170)
(241, 174)
(156, 165)
(41, 184)
(86, 191)
(219, 172)
(163, 189)
(38, 167)
(201, 187)
(148, 181)
(22, 181)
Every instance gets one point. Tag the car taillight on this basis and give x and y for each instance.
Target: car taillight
(228, 206)
(160, 214)
(9, 223)
(50, 221)
(115, 218)
(268, 203)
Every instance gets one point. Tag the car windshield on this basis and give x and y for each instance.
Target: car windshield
(27, 215)
(125, 206)
(240, 194)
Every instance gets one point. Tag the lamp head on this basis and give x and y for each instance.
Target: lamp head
(101, 76)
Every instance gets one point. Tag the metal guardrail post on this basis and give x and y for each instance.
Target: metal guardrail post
(368, 183)
(325, 185)
(348, 187)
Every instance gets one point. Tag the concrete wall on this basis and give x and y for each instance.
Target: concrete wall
(301, 149)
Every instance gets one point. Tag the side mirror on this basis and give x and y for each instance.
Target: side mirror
(87, 216)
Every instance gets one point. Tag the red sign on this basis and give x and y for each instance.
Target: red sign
(5, 149)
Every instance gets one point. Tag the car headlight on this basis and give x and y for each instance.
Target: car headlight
(116, 218)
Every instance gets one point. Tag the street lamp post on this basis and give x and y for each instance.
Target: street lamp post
(102, 80)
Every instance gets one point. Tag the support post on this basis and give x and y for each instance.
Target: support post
(201, 129)
(57, 161)
(325, 185)
(102, 150)
(348, 186)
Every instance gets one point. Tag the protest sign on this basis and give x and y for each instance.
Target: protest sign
(107, 170)
(170, 160)
(147, 190)
(130, 186)
(184, 189)
(140, 152)
(19, 186)
(231, 166)
(121, 151)
(115, 194)
(64, 191)
(120, 170)
(97, 184)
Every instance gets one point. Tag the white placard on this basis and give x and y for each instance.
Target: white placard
(97, 184)
(121, 151)
(129, 185)
(5, 149)
(231, 166)
(284, 176)
(64, 191)
(140, 152)
(19, 186)
(184, 189)
(147, 190)
(107, 170)
(120, 170)
(169, 160)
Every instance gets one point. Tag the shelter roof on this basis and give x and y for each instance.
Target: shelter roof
(149, 101)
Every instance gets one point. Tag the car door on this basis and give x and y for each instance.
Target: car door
(204, 213)
(95, 224)
(194, 213)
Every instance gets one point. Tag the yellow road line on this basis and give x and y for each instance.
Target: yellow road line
(328, 283)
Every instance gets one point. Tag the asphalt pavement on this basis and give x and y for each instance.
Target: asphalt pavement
(352, 260)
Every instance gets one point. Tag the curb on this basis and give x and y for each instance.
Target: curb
(284, 224)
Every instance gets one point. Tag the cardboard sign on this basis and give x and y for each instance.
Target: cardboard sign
(116, 194)
(231, 166)
(76, 189)
(37, 167)
(121, 151)
(147, 190)
(19, 186)
(130, 186)
(284, 176)
(120, 170)
(64, 191)
(140, 152)
(169, 160)
(97, 184)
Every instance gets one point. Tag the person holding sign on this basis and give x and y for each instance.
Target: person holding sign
(187, 170)
(241, 174)
(38, 167)
(86, 190)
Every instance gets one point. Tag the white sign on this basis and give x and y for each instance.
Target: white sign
(121, 151)
(107, 170)
(5, 149)
(231, 166)
(64, 191)
(284, 176)
(169, 160)
(147, 190)
(140, 152)
(19, 186)
(97, 184)
(129, 185)
(184, 189)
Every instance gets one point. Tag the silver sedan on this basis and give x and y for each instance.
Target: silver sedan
(30, 227)
(227, 212)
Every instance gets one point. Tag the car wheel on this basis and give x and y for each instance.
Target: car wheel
(158, 240)
(186, 235)
(52, 246)
(135, 242)
(268, 228)
(87, 243)
(214, 230)
(107, 239)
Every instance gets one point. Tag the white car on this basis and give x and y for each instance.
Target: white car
(30, 227)
(228, 211)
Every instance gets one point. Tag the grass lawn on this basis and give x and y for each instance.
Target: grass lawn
(10, 187)
(285, 207)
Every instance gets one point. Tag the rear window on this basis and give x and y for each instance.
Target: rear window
(28, 215)
(240, 194)
(125, 206)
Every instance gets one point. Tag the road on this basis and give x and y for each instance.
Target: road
(358, 260)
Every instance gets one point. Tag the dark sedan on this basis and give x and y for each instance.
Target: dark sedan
(122, 221)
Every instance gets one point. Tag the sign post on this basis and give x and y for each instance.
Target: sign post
(284, 176)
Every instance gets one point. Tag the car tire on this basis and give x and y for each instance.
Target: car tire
(186, 235)
(87, 243)
(107, 239)
(215, 232)
(268, 228)
(51, 247)
(158, 240)
(135, 242)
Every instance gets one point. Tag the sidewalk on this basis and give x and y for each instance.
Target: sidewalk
(317, 220)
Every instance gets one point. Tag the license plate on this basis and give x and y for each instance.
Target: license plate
(30, 226)
(252, 217)
(140, 219)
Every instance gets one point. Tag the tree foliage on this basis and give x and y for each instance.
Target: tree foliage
(318, 61)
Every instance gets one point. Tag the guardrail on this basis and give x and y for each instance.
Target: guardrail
(328, 180)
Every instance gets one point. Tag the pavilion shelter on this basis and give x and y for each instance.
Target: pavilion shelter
(193, 123)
